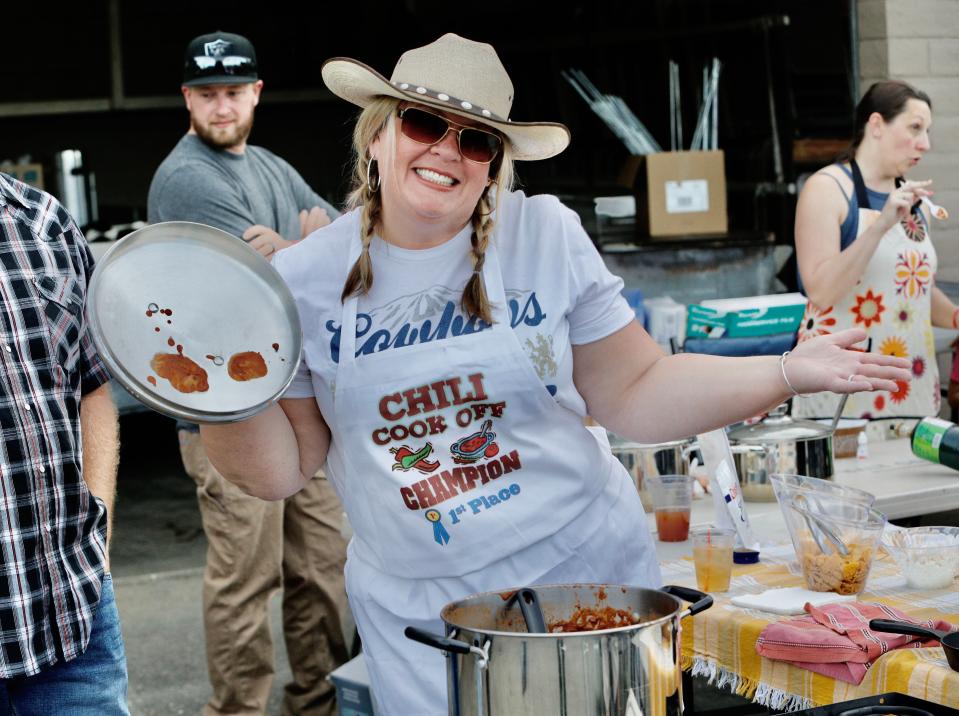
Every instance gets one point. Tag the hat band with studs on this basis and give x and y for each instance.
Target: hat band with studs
(454, 102)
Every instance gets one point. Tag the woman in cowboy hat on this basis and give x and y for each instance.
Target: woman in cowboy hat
(456, 335)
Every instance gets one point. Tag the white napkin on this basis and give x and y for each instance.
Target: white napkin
(788, 600)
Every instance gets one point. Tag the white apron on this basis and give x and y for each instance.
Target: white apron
(465, 475)
(892, 302)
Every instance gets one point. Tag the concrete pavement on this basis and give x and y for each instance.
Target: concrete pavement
(163, 632)
(158, 553)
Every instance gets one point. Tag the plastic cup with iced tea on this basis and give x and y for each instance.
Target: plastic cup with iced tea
(713, 557)
(672, 499)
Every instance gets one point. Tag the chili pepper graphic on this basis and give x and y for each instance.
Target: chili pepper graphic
(407, 459)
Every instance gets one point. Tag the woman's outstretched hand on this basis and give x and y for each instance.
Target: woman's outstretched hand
(827, 363)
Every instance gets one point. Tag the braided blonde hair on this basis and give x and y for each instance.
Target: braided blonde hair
(374, 119)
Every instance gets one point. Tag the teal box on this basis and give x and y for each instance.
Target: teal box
(703, 322)
(764, 321)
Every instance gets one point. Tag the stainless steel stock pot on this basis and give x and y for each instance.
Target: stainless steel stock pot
(644, 460)
(780, 444)
(495, 666)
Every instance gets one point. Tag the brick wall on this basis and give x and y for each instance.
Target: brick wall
(918, 41)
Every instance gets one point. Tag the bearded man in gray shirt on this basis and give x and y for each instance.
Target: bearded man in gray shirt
(214, 177)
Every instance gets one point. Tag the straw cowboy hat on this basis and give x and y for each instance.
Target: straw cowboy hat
(455, 75)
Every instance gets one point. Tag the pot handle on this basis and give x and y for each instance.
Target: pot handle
(446, 644)
(700, 600)
(442, 643)
(893, 627)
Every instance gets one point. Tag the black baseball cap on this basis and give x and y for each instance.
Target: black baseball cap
(219, 58)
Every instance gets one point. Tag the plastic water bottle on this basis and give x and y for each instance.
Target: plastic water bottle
(862, 446)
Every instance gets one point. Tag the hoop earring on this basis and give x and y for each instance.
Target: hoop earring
(369, 176)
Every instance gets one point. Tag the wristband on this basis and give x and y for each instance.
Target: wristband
(782, 367)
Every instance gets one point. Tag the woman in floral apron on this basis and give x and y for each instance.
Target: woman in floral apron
(456, 335)
(865, 257)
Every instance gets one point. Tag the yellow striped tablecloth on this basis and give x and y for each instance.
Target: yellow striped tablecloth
(720, 643)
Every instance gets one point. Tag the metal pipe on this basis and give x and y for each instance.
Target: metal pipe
(773, 122)
(715, 122)
(854, 49)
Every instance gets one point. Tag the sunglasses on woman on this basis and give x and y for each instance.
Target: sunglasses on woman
(476, 145)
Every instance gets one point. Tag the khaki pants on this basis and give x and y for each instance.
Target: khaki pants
(255, 548)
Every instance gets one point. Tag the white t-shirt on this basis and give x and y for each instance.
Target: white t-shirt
(559, 291)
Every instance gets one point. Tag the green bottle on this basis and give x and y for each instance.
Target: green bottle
(937, 440)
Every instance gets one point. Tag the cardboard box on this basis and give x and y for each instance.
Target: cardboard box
(352, 682)
(679, 193)
(746, 317)
(31, 174)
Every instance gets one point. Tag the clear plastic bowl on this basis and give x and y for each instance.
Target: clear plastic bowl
(858, 526)
(818, 489)
(928, 557)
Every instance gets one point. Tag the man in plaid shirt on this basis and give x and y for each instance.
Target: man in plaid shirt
(61, 651)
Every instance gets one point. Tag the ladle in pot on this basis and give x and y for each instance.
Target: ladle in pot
(532, 611)
(845, 396)
(820, 531)
(948, 639)
(838, 415)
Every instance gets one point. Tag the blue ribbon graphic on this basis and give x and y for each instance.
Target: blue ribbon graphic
(440, 534)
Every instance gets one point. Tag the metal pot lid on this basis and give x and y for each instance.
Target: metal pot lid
(779, 426)
(184, 289)
(616, 441)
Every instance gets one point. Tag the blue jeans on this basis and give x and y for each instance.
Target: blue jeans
(93, 684)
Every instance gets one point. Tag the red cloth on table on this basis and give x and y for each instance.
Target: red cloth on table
(835, 639)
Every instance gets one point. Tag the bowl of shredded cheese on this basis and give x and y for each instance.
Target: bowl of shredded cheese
(928, 557)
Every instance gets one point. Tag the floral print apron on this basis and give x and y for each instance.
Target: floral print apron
(892, 302)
